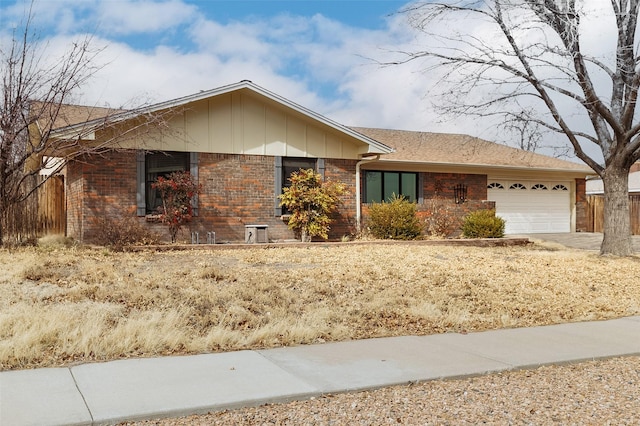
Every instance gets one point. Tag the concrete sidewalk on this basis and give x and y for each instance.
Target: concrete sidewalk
(110, 392)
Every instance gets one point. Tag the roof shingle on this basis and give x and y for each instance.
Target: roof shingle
(457, 149)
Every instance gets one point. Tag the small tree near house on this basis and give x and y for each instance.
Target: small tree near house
(311, 201)
(177, 191)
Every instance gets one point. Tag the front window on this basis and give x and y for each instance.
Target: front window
(381, 186)
(161, 164)
(290, 165)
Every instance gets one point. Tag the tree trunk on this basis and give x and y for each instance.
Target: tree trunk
(3, 211)
(617, 225)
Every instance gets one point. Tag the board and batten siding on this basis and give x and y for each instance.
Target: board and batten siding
(243, 123)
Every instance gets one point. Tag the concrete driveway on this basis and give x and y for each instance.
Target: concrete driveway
(579, 240)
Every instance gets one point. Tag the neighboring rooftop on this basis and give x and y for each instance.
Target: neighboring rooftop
(69, 115)
(595, 186)
(445, 148)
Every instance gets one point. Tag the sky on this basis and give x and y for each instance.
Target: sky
(323, 55)
(319, 54)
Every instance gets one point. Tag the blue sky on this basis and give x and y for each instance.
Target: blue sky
(320, 54)
(323, 55)
(358, 13)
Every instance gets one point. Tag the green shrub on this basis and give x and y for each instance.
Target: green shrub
(395, 220)
(483, 224)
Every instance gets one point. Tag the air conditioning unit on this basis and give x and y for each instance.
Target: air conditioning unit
(256, 234)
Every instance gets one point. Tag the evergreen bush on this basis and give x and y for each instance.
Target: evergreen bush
(483, 224)
(395, 220)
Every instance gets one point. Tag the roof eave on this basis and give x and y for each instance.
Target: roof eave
(582, 172)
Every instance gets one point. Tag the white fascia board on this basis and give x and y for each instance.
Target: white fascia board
(484, 167)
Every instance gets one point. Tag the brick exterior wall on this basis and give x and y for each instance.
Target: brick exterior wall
(442, 185)
(73, 200)
(99, 186)
(237, 190)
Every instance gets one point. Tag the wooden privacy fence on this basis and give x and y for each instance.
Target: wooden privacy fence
(595, 213)
(41, 214)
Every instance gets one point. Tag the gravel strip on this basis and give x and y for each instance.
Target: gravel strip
(589, 393)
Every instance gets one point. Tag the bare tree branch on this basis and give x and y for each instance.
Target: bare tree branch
(35, 119)
(528, 65)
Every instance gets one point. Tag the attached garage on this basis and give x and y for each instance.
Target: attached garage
(535, 193)
(530, 207)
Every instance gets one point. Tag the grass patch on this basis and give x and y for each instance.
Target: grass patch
(62, 306)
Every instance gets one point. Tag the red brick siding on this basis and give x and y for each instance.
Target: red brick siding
(74, 195)
(442, 185)
(345, 218)
(99, 186)
(238, 190)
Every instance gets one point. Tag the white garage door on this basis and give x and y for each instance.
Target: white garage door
(532, 207)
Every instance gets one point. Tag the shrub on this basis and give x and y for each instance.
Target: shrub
(483, 224)
(122, 231)
(396, 220)
(311, 201)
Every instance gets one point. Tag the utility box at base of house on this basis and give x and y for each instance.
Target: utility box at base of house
(256, 234)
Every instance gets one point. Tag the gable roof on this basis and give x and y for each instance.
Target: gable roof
(463, 150)
(375, 146)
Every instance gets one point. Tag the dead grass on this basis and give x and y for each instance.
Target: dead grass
(62, 306)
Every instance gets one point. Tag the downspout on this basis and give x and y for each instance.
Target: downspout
(358, 196)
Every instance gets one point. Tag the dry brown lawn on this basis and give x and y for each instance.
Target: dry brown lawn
(61, 306)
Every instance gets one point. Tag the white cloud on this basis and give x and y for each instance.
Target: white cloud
(315, 61)
(131, 17)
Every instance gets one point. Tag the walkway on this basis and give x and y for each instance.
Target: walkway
(137, 389)
(579, 240)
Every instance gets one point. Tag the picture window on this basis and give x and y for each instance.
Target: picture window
(381, 186)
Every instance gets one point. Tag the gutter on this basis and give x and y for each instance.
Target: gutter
(358, 185)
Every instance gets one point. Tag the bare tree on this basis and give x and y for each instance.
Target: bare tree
(548, 63)
(36, 121)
